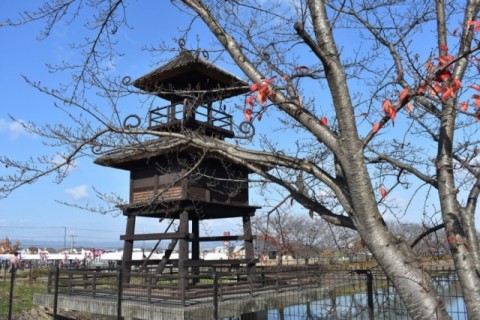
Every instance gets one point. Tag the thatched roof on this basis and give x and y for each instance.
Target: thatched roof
(189, 75)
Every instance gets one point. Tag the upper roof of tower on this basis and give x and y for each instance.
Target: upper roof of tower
(190, 76)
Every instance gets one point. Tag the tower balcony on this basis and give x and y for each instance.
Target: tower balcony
(203, 118)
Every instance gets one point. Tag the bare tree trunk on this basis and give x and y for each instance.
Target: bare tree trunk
(458, 227)
(396, 258)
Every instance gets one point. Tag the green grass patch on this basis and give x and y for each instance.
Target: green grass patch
(22, 295)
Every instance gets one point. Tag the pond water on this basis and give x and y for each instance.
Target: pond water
(387, 305)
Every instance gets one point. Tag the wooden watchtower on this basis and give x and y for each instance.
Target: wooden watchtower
(186, 184)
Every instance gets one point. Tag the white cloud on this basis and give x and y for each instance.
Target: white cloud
(13, 128)
(78, 193)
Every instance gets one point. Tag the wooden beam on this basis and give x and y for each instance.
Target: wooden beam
(154, 236)
(224, 238)
(211, 263)
(173, 235)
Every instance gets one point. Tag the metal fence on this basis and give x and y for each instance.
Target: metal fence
(291, 292)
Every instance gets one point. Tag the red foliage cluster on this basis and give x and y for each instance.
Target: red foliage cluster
(263, 94)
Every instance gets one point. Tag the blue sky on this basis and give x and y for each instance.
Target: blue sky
(33, 212)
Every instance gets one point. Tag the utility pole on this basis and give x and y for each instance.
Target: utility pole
(64, 238)
(73, 242)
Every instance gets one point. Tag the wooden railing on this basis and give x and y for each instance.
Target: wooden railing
(216, 282)
(188, 114)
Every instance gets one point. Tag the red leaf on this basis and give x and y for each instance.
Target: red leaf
(443, 75)
(464, 106)
(445, 59)
(250, 100)
(254, 87)
(323, 121)
(259, 116)
(436, 89)
(248, 114)
(386, 105)
(389, 109)
(456, 84)
(447, 94)
(263, 92)
(383, 192)
(376, 127)
(262, 96)
(404, 94)
(444, 48)
(476, 25)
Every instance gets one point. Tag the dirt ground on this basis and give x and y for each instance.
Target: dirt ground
(41, 313)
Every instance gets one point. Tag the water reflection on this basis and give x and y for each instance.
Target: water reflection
(387, 305)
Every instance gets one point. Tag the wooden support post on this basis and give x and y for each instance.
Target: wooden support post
(183, 254)
(128, 248)
(195, 241)
(171, 112)
(195, 246)
(247, 231)
(249, 253)
(210, 114)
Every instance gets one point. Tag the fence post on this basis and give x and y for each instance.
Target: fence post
(368, 273)
(371, 315)
(94, 283)
(51, 276)
(10, 299)
(55, 293)
(120, 292)
(215, 294)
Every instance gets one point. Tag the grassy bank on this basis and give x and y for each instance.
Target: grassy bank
(22, 295)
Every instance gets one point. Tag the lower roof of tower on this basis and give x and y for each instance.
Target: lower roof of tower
(198, 209)
(122, 156)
